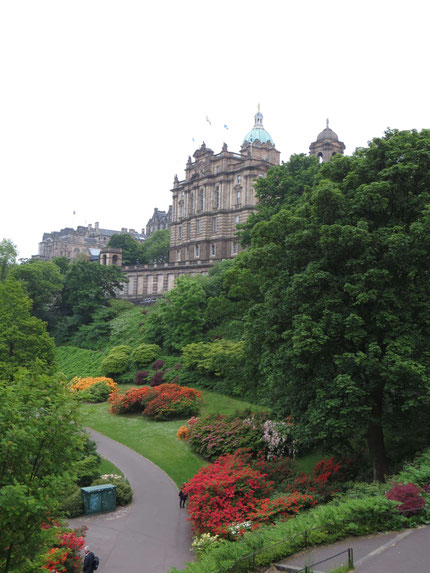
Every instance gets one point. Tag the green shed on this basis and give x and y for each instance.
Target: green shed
(99, 498)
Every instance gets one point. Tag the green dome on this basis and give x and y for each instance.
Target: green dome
(258, 133)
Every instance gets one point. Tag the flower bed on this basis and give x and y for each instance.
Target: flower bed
(80, 384)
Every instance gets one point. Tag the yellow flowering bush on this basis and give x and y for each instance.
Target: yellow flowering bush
(85, 383)
(183, 433)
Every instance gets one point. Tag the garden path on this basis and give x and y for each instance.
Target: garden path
(152, 534)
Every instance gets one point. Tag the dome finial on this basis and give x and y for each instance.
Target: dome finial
(326, 122)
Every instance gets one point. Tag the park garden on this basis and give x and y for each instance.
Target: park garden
(288, 389)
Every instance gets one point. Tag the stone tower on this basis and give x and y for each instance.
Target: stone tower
(326, 145)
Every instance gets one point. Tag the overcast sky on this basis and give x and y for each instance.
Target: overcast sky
(100, 100)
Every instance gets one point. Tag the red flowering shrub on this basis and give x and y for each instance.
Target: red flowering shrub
(131, 401)
(172, 401)
(325, 480)
(141, 377)
(229, 492)
(65, 557)
(278, 470)
(410, 497)
(225, 492)
(156, 379)
(157, 365)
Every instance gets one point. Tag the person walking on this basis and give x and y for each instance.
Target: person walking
(91, 562)
(182, 496)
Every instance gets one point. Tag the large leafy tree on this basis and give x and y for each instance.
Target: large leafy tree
(130, 248)
(40, 441)
(43, 283)
(340, 332)
(8, 254)
(23, 337)
(156, 248)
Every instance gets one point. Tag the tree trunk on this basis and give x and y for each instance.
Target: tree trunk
(375, 440)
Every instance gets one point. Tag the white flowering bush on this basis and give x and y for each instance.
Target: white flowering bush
(203, 543)
(279, 440)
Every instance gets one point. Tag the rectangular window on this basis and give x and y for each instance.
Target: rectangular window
(239, 179)
(198, 226)
(201, 200)
(217, 169)
(180, 232)
(192, 203)
(234, 248)
(217, 198)
(178, 254)
(236, 220)
(181, 212)
(189, 230)
(213, 250)
(197, 251)
(237, 197)
(214, 224)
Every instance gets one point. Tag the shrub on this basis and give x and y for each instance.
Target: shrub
(172, 401)
(183, 433)
(410, 497)
(141, 377)
(157, 365)
(215, 435)
(72, 504)
(124, 493)
(117, 361)
(131, 401)
(144, 354)
(157, 378)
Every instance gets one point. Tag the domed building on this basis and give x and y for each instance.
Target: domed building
(326, 145)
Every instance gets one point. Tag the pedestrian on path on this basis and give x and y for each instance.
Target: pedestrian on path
(182, 496)
(91, 562)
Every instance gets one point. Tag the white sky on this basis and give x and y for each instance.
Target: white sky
(100, 99)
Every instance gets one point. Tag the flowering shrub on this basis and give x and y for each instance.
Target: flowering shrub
(161, 403)
(156, 378)
(141, 377)
(157, 365)
(228, 496)
(183, 433)
(131, 401)
(64, 557)
(172, 401)
(410, 497)
(279, 440)
(203, 543)
(325, 480)
(79, 384)
(216, 435)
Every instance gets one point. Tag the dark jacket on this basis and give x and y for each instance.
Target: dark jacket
(88, 563)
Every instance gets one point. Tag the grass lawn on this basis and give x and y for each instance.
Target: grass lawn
(107, 467)
(157, 440)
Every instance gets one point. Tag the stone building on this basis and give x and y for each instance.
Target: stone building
(216, 195)
(87, 241)
(159, 220)
(326, 145)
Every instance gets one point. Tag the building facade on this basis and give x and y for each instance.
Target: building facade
(159, 220)
(84, 241)
(216, 196)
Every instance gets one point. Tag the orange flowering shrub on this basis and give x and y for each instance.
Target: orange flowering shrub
(85, 383)
(161, 402)
(183, 433)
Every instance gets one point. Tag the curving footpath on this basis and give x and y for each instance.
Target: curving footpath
(152, 534)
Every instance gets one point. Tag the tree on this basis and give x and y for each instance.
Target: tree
(41, 439)
(156, 248)
(8, 254)
(340, 333)
(130, 248)
(43, 283)
(88, 287)
(177, 319)
(23, 338)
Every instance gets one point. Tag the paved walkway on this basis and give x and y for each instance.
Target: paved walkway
(395, 552)
(150, 535)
